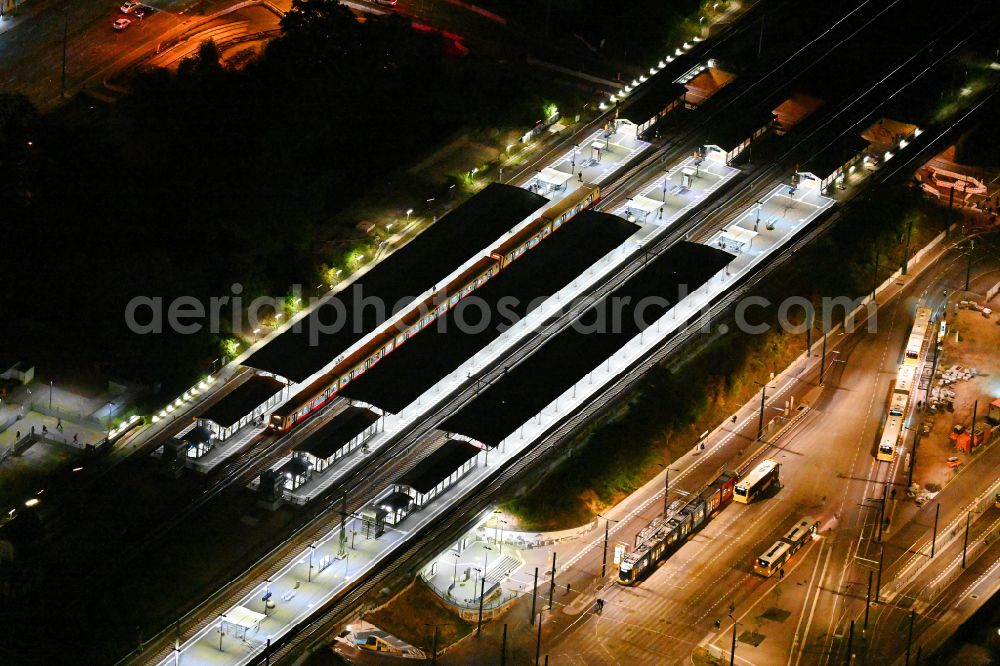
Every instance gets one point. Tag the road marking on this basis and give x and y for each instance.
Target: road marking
(816, 595)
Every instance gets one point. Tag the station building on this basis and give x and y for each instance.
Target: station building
(844, 156)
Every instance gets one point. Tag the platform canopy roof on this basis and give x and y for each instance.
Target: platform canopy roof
(336, 433)
(739, 235)
(439, 465)
(422, 264)
(644, 204)
(437, 351)
(241, 616)
(242, 400)
(566, 358)
(554, 177)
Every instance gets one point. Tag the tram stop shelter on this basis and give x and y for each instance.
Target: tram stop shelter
(248, 401)
(439, 471)
(551, 180)
(823, 169)
(241, 621)
(341, 435)
(639, 207)
(737, 239)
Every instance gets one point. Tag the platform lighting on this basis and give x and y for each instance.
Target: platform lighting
(613, 98)
(678, 52)
(917, 132)
(602, 106)
(628, 88)
(409, 212)
(156, 418)
(696, 38)
(661, 64)
(903, 143)
(686, 46)
(888, 156)
(642, 79)
(32, 502)
(652, 70)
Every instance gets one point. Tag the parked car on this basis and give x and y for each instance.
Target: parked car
(128, 6)
(139, 12)
(121, 24)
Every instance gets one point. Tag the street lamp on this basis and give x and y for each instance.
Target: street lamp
(763, 399)
(499, 528)
(454, 578)
(732, 651)
(409, 211)
(312, 549)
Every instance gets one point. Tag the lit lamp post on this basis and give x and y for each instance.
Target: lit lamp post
(409, 211)
(498, 528)
(312, 549)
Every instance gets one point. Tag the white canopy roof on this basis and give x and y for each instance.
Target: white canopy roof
(739, 234)
(242, 616)
(645, 204)
(554, 176)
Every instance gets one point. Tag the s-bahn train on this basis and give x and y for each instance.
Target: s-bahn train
(774, 557)
(314, 396)
(666, 533)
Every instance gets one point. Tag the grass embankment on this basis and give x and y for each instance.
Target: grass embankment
(412, 613)
(664, 416)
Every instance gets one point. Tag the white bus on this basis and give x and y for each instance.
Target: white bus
(779, 552)
(757, 481)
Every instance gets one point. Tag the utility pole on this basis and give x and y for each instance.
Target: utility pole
(913, 458)
(937, 510)
(810, 321)
(534, 596)
(552, 581)
(604, 560)
(881, 513)
(909, 637)
(878, 579)
(482, 593)
(975, 413)
(868, 598)
(503, 647)
(343, 524)
(538, 641)
(968, 265)
(732, 650)
(850, 643)
(434, 646)
(760, 420)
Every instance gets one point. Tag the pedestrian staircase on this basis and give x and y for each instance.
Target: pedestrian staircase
(508, 564)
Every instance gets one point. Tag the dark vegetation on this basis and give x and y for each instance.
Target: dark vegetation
(664, 416)
(215, 175)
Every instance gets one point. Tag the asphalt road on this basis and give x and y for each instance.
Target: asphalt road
(828, 472)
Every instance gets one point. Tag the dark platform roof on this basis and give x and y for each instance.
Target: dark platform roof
(439, 465)
(434, 353)
(839, 153)
(652, 97)
(341, 429)
(736, 130)
(421, 264)
(568, 357)
(296, 466)
(199, 435)
(246, 397)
